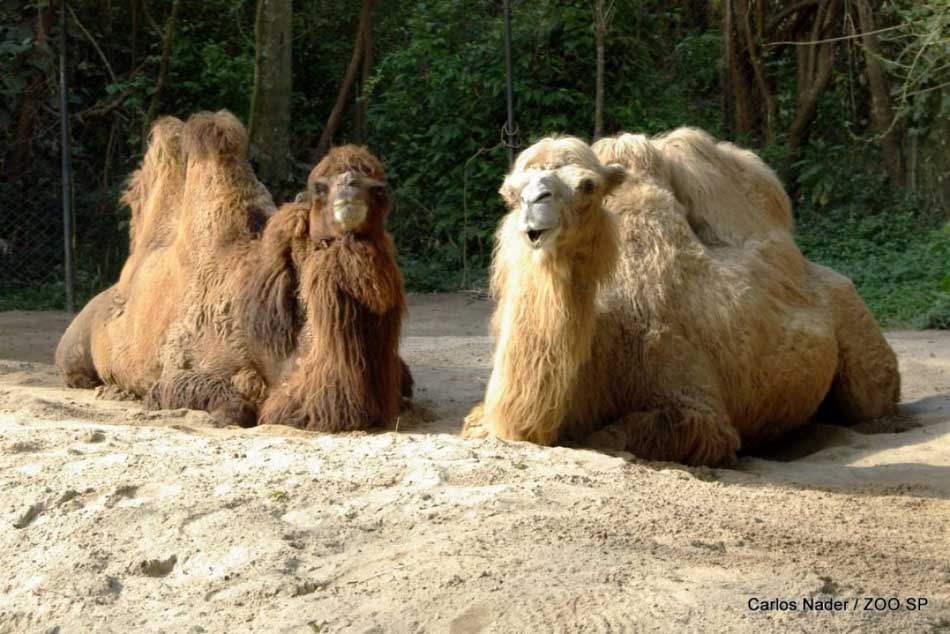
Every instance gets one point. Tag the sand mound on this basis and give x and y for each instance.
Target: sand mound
(118, 519)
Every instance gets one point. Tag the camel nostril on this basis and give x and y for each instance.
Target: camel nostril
(541, 197)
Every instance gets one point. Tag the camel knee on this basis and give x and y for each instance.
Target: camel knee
(407, 381)
(75, 356)
(674, 435)
(235, 411)
(76, 369)
(474, 426)
(73, 359)
(867, 384)
(196, 390)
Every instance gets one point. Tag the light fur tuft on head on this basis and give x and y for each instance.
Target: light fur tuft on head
(553, 152)
(356, 158)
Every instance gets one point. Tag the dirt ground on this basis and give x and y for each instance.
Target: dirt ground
(118, 520)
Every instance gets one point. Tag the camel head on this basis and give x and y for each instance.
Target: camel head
(347, 195)
(555, 193)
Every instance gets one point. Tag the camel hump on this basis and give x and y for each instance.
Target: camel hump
(162, 154)
(706, 168)
(214, 136)
(729, 194)
(164, 139)
(633, 151)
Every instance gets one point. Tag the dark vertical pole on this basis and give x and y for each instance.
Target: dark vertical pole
(66, 168)
(510, 126)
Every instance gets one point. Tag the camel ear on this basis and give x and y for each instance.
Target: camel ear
(381, 196)
(303, 198)
(508, 193)
(614, 175)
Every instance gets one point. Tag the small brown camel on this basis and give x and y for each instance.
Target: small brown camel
(224, 305)
(651, 298)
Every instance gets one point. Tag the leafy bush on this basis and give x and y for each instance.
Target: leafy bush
(901, 268)
(436, 109)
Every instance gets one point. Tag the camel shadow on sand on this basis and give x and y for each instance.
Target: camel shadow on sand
(906, 454)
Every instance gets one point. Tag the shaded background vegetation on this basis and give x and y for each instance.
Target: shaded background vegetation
(431, 104)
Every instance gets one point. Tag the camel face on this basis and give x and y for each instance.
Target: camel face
(348, 203)
(555, 190)
(347, 195)
(542, 207)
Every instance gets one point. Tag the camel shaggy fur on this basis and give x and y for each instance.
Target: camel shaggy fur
(97, 348)
(339, 329)
(651, 298)
(225, 305)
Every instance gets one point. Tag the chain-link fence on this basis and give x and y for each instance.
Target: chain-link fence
(36, 263)
(32, 269)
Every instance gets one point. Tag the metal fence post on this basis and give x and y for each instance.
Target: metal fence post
(510, 126)
(66, 165)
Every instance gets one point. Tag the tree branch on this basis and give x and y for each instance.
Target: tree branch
(838, 39)
(333, 123)
(163, 67)
(95, 45)
(784, 13)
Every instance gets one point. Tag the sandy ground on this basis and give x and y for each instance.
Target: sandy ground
(119, 520)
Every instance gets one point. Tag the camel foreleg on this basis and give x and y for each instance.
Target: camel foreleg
(198, 390)
(674, 434)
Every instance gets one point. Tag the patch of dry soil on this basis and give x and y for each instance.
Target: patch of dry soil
(119, 520)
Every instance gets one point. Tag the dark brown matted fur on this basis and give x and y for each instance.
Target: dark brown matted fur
(340, 297)
(299, 321)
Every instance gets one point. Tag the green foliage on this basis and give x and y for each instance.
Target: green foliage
(50, 292)
(900, 267)
(436, 108)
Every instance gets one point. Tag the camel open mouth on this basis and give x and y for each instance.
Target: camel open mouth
(535, 235)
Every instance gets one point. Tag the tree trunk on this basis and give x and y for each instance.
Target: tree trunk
(882, 115)
(19, 154)
(167, 39)
(599, 91)
(269, 127)
(603, 14)
(349, 79)
(814, 65)
(740, 94)
(767, 101)
(726, 100)
(361, 122)
(930, 159)
(696, 15)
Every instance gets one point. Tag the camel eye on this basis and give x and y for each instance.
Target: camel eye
(587, 186)
(379, 191)
(319, 189)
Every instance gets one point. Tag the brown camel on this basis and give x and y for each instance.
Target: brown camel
(659, 304)
(226, 306)
(97, 347)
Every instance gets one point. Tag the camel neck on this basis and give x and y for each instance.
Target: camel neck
(545, 331)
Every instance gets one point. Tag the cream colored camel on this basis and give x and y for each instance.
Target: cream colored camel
(658, 303)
